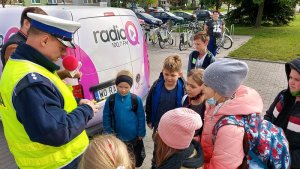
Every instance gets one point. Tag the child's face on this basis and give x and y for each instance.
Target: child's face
(170, 77)
(123, 88)
(208, 92)
(294, 81)
(192, 88)
(200, 45)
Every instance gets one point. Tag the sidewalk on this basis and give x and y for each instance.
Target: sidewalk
(266, 77)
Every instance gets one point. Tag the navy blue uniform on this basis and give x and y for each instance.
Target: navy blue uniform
(40, 106)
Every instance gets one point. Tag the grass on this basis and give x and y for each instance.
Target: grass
(270, 43)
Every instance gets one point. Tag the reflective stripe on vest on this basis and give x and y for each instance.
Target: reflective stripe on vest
(30, 154)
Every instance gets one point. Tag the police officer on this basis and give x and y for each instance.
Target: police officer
(44, 124)
(20, 37)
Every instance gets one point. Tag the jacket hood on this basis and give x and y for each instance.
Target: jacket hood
(246, 101)
(192, 157)
(295, 64)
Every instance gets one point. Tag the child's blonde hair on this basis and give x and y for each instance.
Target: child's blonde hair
(106, 151)
(125, 72)
(196, 75)
(173, 63)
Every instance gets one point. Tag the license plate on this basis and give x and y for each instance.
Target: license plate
(105, 92)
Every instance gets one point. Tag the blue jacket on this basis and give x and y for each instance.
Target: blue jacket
(40, 106)
(128, 125)
(154, 97)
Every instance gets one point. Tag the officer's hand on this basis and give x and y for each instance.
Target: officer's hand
(83, 101)
(94, 106)
(66, 74)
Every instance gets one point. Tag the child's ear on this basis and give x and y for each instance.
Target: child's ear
(180, 74)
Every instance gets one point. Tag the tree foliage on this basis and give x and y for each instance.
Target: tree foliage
(178, 2)
(3, 3)
(275, 12)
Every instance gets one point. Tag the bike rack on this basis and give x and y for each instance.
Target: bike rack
(231, 29)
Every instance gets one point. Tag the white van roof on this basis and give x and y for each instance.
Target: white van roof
(79, 12)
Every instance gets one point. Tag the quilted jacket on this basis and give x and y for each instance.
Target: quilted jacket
(227, 151)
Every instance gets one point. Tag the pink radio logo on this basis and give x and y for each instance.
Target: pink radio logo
(131, 33)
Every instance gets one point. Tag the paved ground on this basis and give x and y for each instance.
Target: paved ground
(267, 78)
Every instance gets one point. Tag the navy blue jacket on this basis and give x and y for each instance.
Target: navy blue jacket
(39, 105)
(152, 101)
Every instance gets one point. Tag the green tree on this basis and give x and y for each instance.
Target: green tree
(261, 4)
(216, 4)
(258, 12)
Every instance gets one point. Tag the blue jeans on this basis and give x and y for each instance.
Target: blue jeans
(212, 47)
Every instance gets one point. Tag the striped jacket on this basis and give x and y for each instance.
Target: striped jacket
(284, 112)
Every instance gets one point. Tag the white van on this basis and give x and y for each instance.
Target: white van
(109, 40)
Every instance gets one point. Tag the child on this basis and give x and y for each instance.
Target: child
(193, 99)
(175, 145)
(106, 151)
(285, 110)
(165, 94)
(128, 124)
(226, 96)
(201, 57)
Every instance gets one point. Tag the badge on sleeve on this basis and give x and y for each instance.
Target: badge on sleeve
(34, 77)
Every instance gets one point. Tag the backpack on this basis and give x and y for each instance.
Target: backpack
(134, 106)
(265, 144)
(134, 102)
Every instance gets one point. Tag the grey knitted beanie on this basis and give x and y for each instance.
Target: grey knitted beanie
(225, 76)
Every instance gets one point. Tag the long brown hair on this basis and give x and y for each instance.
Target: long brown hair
(163, 152)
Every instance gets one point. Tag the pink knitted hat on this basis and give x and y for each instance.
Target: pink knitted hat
(177, 127)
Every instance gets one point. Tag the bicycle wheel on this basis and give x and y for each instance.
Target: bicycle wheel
(227, 42)
(170, 40)
(161, 44)
(180, 46)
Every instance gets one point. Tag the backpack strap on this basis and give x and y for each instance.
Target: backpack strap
(112, 110)
(194, 56)
(184, 101)
(134, 103)
(226, 120)
(233, 120)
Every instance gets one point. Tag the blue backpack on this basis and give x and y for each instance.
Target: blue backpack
(265, 144)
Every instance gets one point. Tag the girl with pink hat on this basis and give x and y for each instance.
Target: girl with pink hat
(176, 148)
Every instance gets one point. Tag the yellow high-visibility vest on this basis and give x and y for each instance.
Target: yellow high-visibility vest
(30, 154)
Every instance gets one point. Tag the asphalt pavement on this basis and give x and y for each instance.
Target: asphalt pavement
(268, 78)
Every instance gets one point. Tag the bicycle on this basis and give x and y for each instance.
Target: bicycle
(164, 36)
(225, 42)
(150, 33)
(153, 35)
(186, 37)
